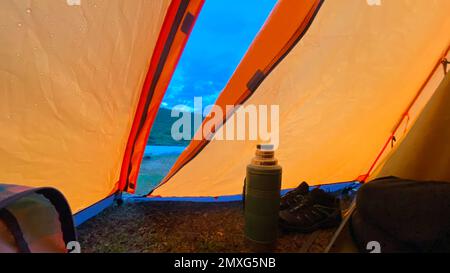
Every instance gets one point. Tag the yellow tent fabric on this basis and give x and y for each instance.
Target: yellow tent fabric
(70, 79)
(424, 154)
(341, 91)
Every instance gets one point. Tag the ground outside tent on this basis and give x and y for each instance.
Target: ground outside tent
(137, 226)
(182, 227)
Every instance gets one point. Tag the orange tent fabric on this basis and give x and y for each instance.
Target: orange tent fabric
(71, 89)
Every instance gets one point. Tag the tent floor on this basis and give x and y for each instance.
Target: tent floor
(182, 227)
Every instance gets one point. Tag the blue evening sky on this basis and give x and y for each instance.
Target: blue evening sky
(220, 38)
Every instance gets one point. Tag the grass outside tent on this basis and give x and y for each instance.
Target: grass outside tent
(153, 171)
(175, 227)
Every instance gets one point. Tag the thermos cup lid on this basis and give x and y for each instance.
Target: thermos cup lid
(265, 147)
(265, 155)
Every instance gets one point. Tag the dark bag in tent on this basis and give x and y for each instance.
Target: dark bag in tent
(34, 220)
(402, 216)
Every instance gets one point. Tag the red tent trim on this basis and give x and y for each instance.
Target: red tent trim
(168, 48)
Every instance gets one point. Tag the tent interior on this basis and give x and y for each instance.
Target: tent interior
(362, 89)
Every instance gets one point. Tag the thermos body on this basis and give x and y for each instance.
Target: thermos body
(262, 199)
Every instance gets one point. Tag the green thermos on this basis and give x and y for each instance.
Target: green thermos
(262, 198)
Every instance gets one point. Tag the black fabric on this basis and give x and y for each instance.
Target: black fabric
(403, 215)
(363, 233)
(13, 226)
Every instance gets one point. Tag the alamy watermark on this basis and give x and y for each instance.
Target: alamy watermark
(373, 247)
(73, 247)
(73, 2)
(374, 2)
(242, 122)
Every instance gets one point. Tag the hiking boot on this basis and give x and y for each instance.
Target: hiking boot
(294, 197)
(317, 211)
